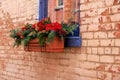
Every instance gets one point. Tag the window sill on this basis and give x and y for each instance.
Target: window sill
(59, 7)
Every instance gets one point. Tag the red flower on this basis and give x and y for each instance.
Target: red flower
(57, 26)
(40, 26)
(33, 26)
(24, 28)
(54, 26)
(49, 27)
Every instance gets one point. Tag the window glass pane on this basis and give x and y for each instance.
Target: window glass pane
(60, 2)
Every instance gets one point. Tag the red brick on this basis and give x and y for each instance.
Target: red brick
(107, 59)
(99, 66)
(107, 42)
(67, 76)
(104, 75)
(116, 76)
(109, 3)
(93, 27)
(117, 42)
(117, 59)
(84, 43)
(87, 35)
(115, 51)
(93, 58)
(87, 65)
(94, 50)
(115, 17)
(81, 57)
(108, 51)
(113, 68)
(83, 28)
(89, 50)
(101, 50)
(100, 35)
(115, 9)
(93, 43)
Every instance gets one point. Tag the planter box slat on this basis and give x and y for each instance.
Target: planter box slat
(57, 45)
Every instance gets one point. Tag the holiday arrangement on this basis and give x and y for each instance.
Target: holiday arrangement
(45, 31)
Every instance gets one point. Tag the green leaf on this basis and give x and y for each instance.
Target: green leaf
(42, 38)
(26, 32)
(51, 36)
(69, 28)
(26, 40)
(17, 42)
(13, 33)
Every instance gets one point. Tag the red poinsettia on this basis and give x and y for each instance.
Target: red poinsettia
(24, 28)
(53, 26)
(39, 26)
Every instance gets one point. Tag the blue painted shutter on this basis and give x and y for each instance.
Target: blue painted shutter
(43, 9)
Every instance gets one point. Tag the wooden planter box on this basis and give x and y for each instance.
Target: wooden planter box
(56, 46)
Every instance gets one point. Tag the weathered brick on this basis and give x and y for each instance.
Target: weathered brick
(116, 76)
(107, 42)
(94, 50)
(85, 20)
(115, 17)
(93, 27)
(117, 59)
(64, 76)
(99, 66)
(113, 68)
(100, 35)
(111, 34)
(84, 43)
(109, 3)
(101, 50)
(89, 50)
(104, 75)
(83, 28)
(92, 12)
(81, 56)
(64, 62)
(115, 9)
(87, 65)
(117, 42)
(115, 51)
(88, 35)
(107, 59)
(108, 51)
(93, 43)
(93, 58)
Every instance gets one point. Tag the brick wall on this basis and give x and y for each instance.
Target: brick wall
(97, 59)
(100, 29)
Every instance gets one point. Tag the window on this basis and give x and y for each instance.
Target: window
(59, 5)
(60, 2)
